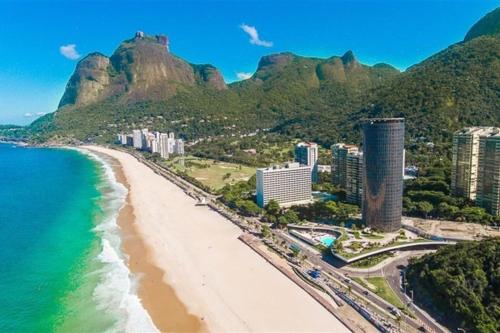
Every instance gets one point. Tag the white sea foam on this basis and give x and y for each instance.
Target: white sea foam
(117, 293)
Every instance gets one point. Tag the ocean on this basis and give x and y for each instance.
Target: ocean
(61, 268)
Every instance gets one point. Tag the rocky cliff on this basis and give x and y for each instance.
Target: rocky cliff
(141, 68)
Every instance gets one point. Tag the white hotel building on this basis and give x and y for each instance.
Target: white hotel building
(289, 184)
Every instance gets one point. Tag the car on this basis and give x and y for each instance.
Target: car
(422, 329)
(365, 292)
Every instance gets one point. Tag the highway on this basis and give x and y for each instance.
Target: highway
(381, 306)
(326, 263)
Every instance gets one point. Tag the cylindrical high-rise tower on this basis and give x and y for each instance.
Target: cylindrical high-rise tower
(383, 150)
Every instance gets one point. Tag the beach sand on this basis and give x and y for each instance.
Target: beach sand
(195, 274)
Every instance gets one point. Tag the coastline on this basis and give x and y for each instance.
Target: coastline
(159, 299)
(213, 281)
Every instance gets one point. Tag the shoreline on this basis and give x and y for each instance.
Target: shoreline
(218, 282)
(159, 299)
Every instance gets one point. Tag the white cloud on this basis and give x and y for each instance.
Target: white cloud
(243, 75)
(69, 51)
(254, 36)
(31, 115)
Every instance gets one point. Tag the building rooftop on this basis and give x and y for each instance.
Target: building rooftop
(383, 120)
(492, 134)
(307, 144)
(480, 130)
(287, 165)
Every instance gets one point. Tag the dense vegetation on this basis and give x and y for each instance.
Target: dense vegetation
(487, 26)
(240, 197)
(428, 196)
(462, 282)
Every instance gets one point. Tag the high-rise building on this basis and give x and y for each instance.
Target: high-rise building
(488, 176)
(138, 144)
(164, 139)
(383, 146)
(465, 159)
(354, 177)
(151, 142)
(121, 139)
(130, 140)
(306, 153)
(155, 145)
(339, 162)
(290, 184)
(179, 147)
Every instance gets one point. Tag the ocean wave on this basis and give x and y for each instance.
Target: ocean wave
(116, 294)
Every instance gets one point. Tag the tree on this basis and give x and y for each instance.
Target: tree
(291, 216)
(272, 208)
(425, 208)
(265, 231)
(461, 281)
(248, 207)
(346, 210)
(475, 215)
(447, 211)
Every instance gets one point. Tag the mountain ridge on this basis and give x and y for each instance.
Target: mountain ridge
(311, 98)
(140, 68)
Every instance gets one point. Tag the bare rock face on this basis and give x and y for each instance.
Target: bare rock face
(89, 82)
(148, 71)
(210, 76)
(141, 68)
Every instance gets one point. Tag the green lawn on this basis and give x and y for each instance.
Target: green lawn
(371, 261)
(214, 174)
(384, 290)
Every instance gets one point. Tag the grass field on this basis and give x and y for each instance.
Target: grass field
(214, 174)
(371, 261)
(384, 290)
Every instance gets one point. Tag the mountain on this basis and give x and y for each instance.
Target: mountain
(457, 87)
(143, 85)
(489, 25)
(141, 68)
(462, 282)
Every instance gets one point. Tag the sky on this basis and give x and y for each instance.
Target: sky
(42, 41)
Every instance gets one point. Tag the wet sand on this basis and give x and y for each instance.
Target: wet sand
(159, 299)
(196, 275)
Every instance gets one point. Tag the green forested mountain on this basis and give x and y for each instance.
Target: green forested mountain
(456, 87)
(463, 282)
(144, 85)
(487, 26)
(103, 97)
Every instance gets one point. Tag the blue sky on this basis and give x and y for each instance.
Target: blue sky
(33, 71)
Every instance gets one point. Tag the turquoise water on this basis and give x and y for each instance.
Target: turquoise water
(61, 268)
(327, 240)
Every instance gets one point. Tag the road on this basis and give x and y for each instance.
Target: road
(381, 306)
(392, 272)
(327, 265)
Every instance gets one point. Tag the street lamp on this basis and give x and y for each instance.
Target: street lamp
(404, 281)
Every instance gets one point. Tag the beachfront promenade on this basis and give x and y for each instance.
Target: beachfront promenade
(248, 296)
(251, 225)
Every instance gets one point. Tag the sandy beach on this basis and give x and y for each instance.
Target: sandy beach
(195, 274)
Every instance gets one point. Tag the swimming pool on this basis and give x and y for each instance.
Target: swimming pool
(327, 240)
